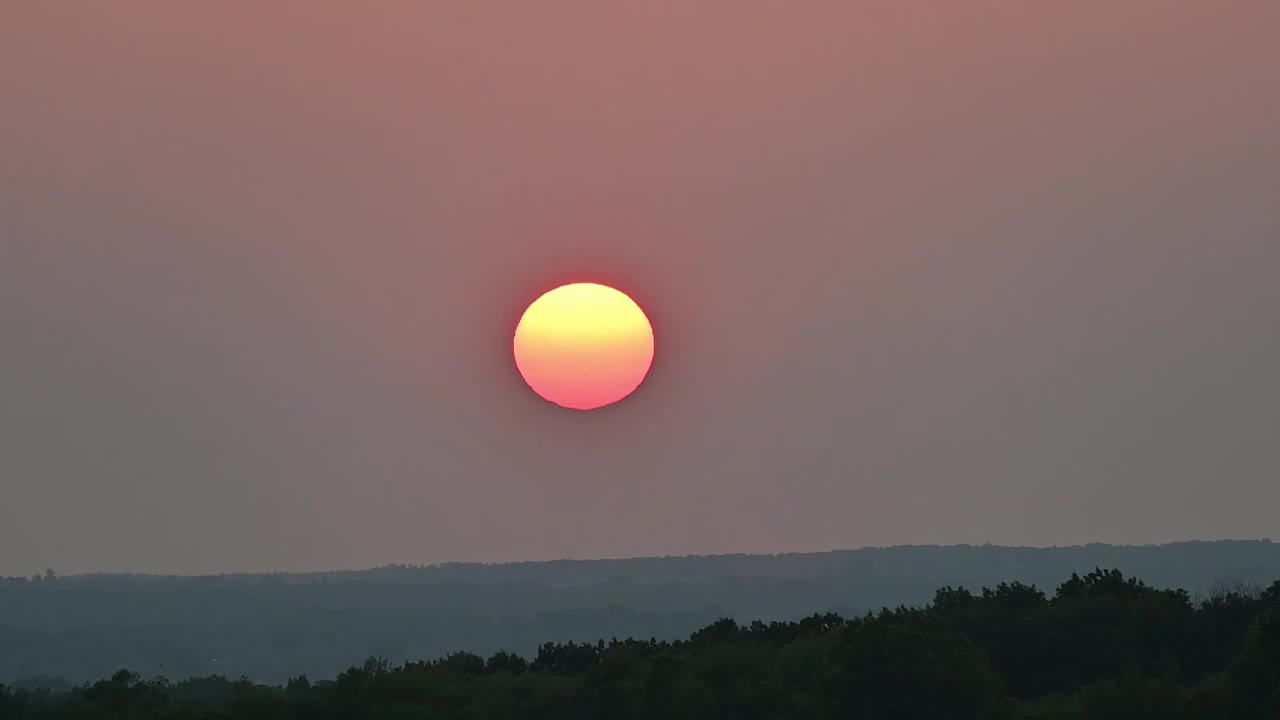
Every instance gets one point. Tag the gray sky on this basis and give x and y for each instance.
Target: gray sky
(919, 273)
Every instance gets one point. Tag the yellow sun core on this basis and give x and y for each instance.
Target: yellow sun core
(584, 346)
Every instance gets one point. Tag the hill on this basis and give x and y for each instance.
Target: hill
(1101, 646)
(273, 626)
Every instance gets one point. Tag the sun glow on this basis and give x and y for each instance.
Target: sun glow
(584, 346)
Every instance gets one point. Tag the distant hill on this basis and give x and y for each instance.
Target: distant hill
(269, 626)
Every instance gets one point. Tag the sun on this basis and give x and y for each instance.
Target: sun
(584, 346)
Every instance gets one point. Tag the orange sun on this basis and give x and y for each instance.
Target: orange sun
(584, 346)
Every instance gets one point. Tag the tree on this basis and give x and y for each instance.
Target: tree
(949, 599)
(12, 703)
(1271, 596)
(503, 661)
(1109, 583)
(567, 659)
(1257, 670)
(904, 671)
(126, 693)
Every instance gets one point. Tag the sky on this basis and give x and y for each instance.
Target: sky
(918, 273)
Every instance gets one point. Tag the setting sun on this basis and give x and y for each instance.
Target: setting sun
(584, 346)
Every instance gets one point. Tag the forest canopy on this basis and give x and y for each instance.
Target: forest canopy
(271, 627)
(1101, 646)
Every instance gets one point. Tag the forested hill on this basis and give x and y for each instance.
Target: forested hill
(1100, 647)
(270, 627)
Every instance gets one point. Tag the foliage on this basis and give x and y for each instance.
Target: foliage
(61, 630)
(1103, 646)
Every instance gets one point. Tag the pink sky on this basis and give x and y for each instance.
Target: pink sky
(923, 273)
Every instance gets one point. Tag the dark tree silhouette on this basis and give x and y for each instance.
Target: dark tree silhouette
(1105, 646)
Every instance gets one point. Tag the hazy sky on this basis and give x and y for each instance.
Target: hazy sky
(919, 273)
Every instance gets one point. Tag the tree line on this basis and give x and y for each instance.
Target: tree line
(271, 627)
(1101, 646)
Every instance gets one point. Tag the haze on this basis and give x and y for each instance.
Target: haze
(920, 273)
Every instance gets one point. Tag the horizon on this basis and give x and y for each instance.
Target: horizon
(546, 561)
